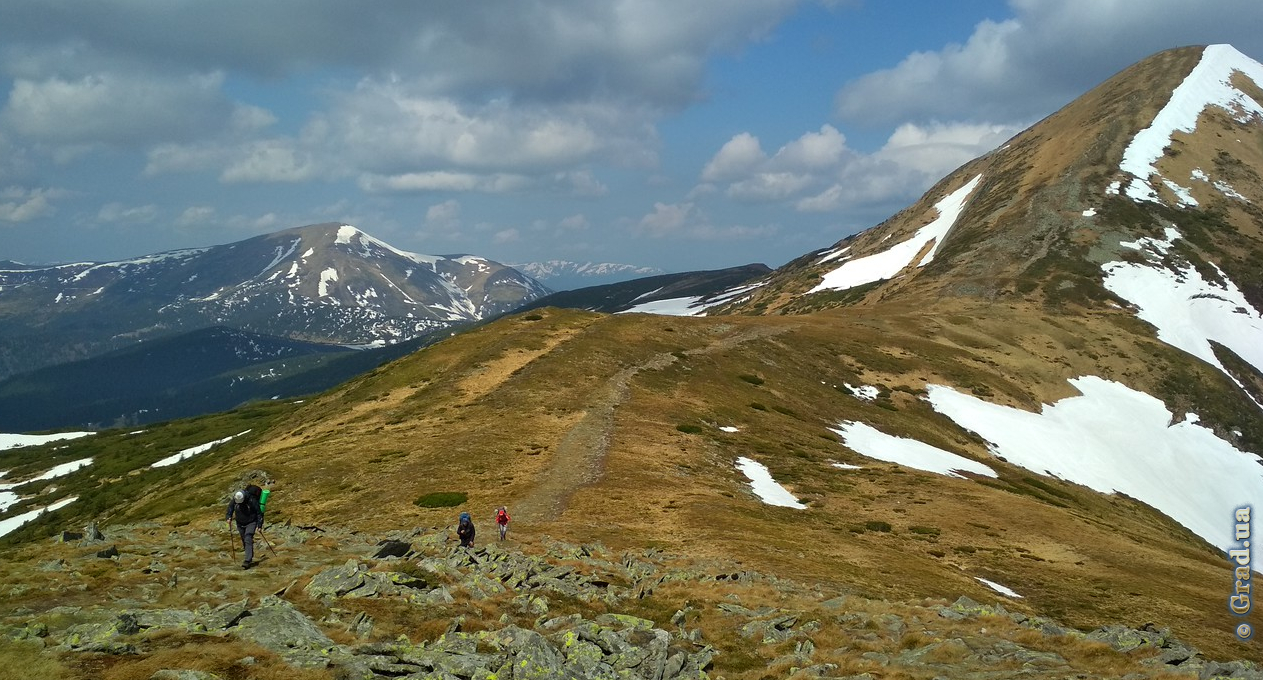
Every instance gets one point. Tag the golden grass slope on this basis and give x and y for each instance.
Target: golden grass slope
(592, 427)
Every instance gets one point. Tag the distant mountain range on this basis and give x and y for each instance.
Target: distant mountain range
(204, 371)
(327, 283)
(564, 275)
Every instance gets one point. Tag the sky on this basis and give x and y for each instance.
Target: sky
(682, 136)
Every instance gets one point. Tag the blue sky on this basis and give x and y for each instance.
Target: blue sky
(678, 135)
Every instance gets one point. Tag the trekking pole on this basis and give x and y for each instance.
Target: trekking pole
(232, 545)
(266, 541)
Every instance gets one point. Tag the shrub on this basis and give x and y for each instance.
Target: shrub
(689, 429)
(752, 379)
(876, 525)
(533, 317)
(757, 406)
(442, 499)
(924, 531)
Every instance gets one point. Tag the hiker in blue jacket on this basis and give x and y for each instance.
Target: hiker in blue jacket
(246, 508)
(465, 530)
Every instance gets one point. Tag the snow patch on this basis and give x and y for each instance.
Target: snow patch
(765, 487)
(1090, 212)
(1114, 439)
(9, 524)
(327, 276)
(1187, 310)
(1208, 84)
(1003, 590)
(193, 451)
(865, 392)
(893, 260)
(13, 441)
(867, 440)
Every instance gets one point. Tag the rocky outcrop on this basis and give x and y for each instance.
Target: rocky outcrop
(556, 611)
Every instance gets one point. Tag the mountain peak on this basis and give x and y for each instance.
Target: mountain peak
(1213, 82)
(328, 282)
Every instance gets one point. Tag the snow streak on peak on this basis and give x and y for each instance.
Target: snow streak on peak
(349, 235)
(1209, 83)
(889, 262)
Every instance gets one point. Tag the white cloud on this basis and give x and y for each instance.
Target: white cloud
(275, 160)
(668, 219)
(574, 223)
(686, 220)
(119, 213)
(813, 151)
(818, 172)
(769, 186)
(553, 50)
(445, 215)
(195, 215)
(113, 108)
(1048, 53)
(736, 158)
(505, 236)
(444, 181)
(22, 205)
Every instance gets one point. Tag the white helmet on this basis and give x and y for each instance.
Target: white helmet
(239, 497)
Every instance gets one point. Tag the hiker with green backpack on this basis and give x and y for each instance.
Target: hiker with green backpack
(248, 506)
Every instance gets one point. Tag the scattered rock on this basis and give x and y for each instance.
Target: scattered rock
(391, 548)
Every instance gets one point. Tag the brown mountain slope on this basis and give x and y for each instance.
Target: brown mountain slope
(607, 428)
(1023, 232)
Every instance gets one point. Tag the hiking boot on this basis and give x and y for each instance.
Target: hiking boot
(246, 564)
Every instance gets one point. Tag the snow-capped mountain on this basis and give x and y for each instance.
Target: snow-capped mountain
(325, 283)
(565, 275)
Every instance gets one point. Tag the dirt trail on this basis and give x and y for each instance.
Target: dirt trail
(580, 455)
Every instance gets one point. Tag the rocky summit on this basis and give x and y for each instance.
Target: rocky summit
(152, 601)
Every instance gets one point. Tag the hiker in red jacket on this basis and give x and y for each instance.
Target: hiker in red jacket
(502, 521)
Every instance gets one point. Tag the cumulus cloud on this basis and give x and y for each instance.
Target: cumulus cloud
(274, 160)
(574, 223)
(505, 236)
(121, 109)
(445, 215)
(195, 215)
(22, 205)
(818, 172)
(737, 157)
(1050, 52)
(687, 221)
(119, 213)
(543, 50)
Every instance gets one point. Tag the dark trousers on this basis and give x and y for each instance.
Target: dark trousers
(247, 539)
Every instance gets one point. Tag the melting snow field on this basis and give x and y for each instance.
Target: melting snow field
(193, 451)
(13, 441)
(869, 441)
(1209, 83)
(1003, 590)
(1114, 439)
(683, 306)
(9, 524)
(891, 261)
(1188, 310)
(765, 487)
